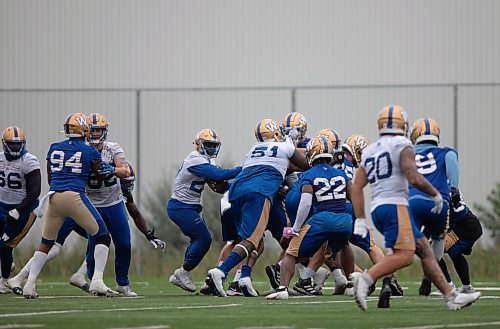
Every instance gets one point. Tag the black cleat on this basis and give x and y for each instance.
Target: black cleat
(273, 274)
(396, 289)
(234, 289)
(425, 287)
(305, 287)
(372, 289)
(384, 297)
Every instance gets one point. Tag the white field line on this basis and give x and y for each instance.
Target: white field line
(454, 325)
(148, 327)
(14, 326)
(273, 327)
(16, 315)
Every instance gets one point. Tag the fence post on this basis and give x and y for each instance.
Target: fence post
(293, 100)
(455, 117)
(138, 253)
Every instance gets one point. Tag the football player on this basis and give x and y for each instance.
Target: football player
(20, 185)
(324, 192)
(184, 207)
(251, 195)
(389, 165)
(69, 162)
(439, 165)
(465, 229)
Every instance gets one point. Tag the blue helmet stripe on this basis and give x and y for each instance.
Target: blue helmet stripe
(389, 116)
(288, 119)
(94, 118)
(325, 142)
(337, 139)
(66, 126)
(214, 134)
(427, 126)
(16, 134)
(259, 135)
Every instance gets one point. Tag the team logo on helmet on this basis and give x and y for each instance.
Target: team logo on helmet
(355, 144)
(75, 125)
(297, 121)
(318, 148)
(268, 131)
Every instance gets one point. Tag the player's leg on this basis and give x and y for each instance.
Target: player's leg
(6, 265)
(245, 281)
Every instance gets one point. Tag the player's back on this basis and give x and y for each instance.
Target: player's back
(431, 163)
(329, 187)
(70, 162)
(381, 161)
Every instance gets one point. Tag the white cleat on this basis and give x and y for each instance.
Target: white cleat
(182, 279)
(320, 277)
(29, 290)
(349, 292)
(4, 287)
(99, 288)
(16, 285)
(360, 289)
(462, 300)
(215, 281)
(126, 291)
(246, 287)
(466, 290)
(80, 281)
(280, 294)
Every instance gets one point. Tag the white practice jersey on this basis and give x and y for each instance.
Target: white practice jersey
(381, 161)
(188, 186)
(108, 192)
(12, 181)
(274, 154)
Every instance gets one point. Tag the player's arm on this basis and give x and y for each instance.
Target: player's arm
(304, 206)
(358, 201)
(49, 174)
(33, 188)
(140, 222)
(121, 168)
(452, 168)
(298, 160)
(409, 169)
(212, 172)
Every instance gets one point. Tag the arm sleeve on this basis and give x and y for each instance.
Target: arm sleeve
(212, 172)
(452, 169)
(33, 188)
(304, 208)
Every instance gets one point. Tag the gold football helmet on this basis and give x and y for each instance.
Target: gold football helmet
(318, 148)
(75, 125)
(14, 142)
(268, 131)
(297, 121)
(332, 136)
(392, 119)
(425, 129)
(207, 142)
(355, 144)
(98, 128)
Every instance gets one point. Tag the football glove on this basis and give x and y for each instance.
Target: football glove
(288, 232)
(361, 227)
(438, 204)
(155, 242)
(105, 169)
(455, 196)
(294, 134)
(12, 217)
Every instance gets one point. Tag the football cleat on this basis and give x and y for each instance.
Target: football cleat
(234, 289)
(15, 284)
(29, 290)
(361, 287)
(460, 300)
(182, 279)
(205, 289)
(349, 291)
(341, 283)
(371, 289)
(425, 129)
(425, 287)
(280, 294)
(98, 128)
(392, 119)
(305, 287)
(99, 288)
(79, 280)
(14, 141)
(273, 274)
(215, 281)
(466, 290)
(385, 294)
(396, 289)
(319, 278)
(126, 291)
(4, 287)
(246, 287)
(207, 142)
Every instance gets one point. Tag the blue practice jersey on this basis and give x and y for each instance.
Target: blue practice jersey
(70, 163)
(347, 167)
(329, 186)
(458, 212)
(431, 164)
(303, 144)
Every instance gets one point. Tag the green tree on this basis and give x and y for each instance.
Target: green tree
(490, 215)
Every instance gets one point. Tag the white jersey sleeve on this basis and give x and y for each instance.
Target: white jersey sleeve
(12, 177)
(274, 154)
(108, 192)
(381, 161)
(187, 186)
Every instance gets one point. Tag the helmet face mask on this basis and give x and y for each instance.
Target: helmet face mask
(13, 141)
(98, 129)
(297, 121)
(334, 139)
(318, 148)
(207, 142)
